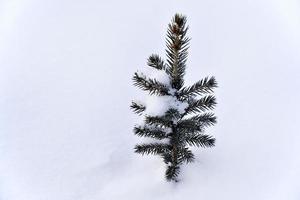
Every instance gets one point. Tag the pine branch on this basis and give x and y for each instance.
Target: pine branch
(200, 140)
(172, 173)
(205, 103)
(177, 46)
(137, 108)
(189, 125)
(167, 157)
(156, 62)
(205, 120)
(203, 86)
(196, 123)
(158, 121)
(185, 155)
(152, 148)
(150, 85)
(172, 114)
(150, 132)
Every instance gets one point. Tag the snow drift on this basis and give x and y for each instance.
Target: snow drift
(65, 91)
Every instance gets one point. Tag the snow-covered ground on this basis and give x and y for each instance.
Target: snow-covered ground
(65, 91)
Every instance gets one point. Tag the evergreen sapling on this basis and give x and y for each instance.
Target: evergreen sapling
(187, 116)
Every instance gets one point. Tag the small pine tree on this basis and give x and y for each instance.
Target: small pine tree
(181, 128)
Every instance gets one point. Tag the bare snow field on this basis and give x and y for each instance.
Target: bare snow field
(65, 90)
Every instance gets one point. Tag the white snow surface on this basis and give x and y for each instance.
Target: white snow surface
(65, 90)
(158, 105)
(159, 75)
